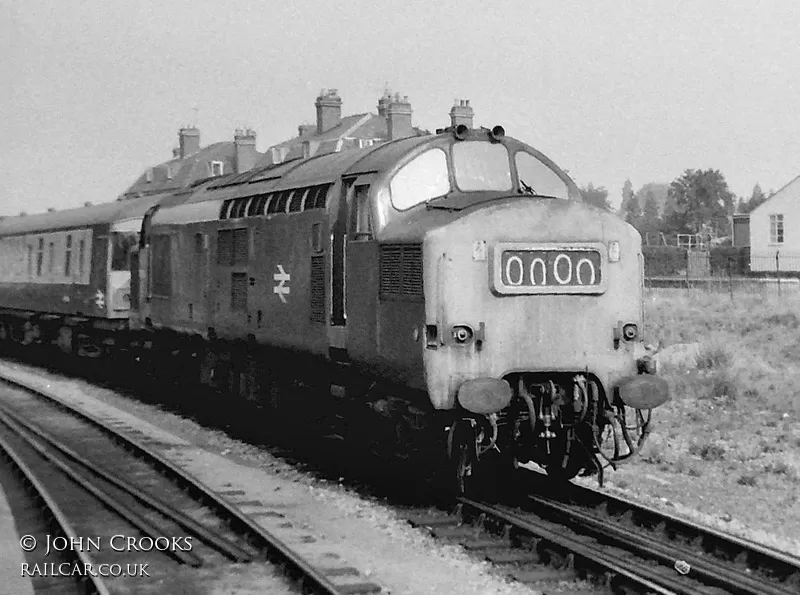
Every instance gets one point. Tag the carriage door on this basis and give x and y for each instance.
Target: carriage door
(339, 239)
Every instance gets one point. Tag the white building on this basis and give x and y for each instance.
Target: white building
(775, 231)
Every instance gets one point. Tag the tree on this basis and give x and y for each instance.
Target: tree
(597, 196)
(627, 195)
(631, 211)
(651, 220)
(701, 200)
(756, 198)
(741, 205)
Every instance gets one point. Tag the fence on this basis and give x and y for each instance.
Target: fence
(722, 269)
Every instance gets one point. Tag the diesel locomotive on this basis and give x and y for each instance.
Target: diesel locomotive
(453, 286)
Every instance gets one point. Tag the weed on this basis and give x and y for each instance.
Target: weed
(694, 472)
(779, 468)
(708, 452)
(767, 447)
(747, 480)
(785, 319)
(712, 357)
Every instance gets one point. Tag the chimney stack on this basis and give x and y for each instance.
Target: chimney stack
(189, 138)
(329, 110)
(398, 117)
(461, 113)
(246, 154)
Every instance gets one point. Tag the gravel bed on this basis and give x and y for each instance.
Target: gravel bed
(335, 521)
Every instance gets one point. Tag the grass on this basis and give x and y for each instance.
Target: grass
(729, 440)
(745, 351)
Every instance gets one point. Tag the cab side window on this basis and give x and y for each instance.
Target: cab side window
(362, 229)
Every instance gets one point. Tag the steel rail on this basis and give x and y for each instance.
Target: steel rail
(131, 516)
(273, 548)
(93, 585)
(708, 571)
(712, 540)
(780, 561)
(636, 574)
(222, 545)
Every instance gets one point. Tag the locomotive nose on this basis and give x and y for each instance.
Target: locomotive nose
(544, 283)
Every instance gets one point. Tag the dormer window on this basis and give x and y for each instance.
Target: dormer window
(148, 176)
(216, 168)
(169, 172)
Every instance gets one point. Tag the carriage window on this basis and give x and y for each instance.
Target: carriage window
(481, 166)
(421, 179)
(81, 257)
(68, 256)
(123, 242)
(537, 178)
(39, 258)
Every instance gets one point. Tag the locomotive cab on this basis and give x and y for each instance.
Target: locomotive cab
(520, 304)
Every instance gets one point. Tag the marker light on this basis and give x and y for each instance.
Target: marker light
(462, 334)
(613, 251)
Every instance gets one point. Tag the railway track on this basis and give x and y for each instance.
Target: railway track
(621, 544)
(92, 482)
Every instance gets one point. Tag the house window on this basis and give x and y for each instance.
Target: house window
(216, 168)
(68, 256)
(51, 257)
(39, 258)
(776, 229)
(148, 176)
(30, 261)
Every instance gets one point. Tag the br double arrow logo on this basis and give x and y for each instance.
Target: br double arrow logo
(282, 289)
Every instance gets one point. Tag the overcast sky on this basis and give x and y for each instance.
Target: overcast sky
(95, 91)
